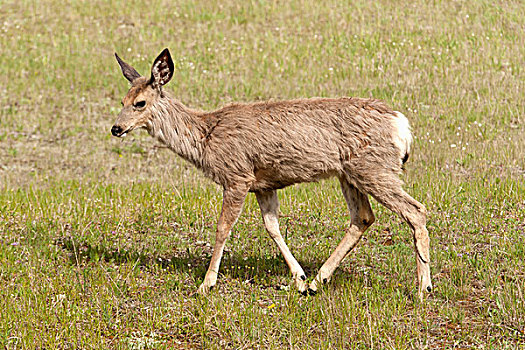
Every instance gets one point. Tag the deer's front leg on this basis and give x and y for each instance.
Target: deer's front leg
(233, 199)
(269, 203)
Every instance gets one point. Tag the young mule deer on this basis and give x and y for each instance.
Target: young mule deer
(264, 146)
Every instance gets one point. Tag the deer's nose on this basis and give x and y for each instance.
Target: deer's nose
(116, 130)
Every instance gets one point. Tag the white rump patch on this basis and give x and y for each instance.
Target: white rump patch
(401, 133)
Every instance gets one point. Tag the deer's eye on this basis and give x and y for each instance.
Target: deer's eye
(139, 104)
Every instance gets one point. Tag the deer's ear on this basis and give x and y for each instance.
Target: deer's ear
(162, 69)
(129, 72)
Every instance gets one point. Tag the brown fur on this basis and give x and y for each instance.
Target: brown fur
(271, 145)
(264, 146)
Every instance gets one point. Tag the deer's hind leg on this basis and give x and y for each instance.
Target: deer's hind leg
(386, 189)
(361, 218)
(269, 204)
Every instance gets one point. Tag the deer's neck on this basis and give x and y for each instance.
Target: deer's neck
(179, 128)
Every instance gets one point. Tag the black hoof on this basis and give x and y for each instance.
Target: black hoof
(303, 277)
(429, 289)
(311, 292)
(304, 293)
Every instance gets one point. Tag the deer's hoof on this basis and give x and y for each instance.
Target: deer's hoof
(301, 286)
(204, 289)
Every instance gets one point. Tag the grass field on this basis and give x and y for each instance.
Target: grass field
(103, 241)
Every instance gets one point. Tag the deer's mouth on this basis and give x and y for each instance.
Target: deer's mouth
(119, 132)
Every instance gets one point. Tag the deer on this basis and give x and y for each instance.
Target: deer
(262, 147)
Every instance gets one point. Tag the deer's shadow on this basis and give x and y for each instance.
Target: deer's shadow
(195, 263)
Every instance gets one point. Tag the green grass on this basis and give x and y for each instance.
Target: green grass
(103, 242)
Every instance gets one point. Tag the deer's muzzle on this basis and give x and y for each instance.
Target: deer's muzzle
(117, 131)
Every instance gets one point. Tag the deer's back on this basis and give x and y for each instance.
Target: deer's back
(276, 144)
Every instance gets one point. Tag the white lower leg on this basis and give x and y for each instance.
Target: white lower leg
(210, 279)
(269, 204)
(422, 249)
(233, 199)
(272, 226)
(296, 269)
(325, 272)
(362, 218)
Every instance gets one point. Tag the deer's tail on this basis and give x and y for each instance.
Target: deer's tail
(402, 135)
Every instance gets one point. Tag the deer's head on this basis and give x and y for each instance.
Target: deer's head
(143, 94)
